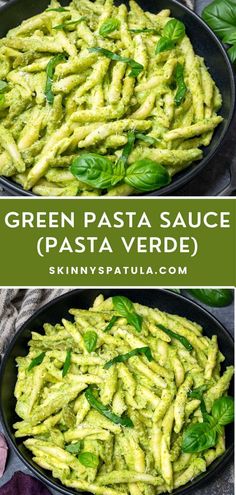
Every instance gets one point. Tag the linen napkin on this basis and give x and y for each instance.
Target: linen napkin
(23, 484)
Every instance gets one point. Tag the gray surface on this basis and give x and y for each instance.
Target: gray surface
(222, 485)
(215, 175)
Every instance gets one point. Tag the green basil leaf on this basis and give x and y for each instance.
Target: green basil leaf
(88, 459)
(176, 336)
(198, 437)
(50, 69)
(111, 323)
(164, 44)
(69, 23)
(37, 360)
(109, 26)
(74, 448)
(122, 161)
(123, 305)
(58, 9)
(90, 340)
(174, 30)
(197, 392)
(3, 86)
(122, 358)
(144, 30)
(67, 363)
(220, 15)
(95, 170)
(223, 410)
(135, 66)
(146, 175)
(232, 53)
(147, 139)
(102, 409)
(135, 320)
(213, 297)
(180, 83)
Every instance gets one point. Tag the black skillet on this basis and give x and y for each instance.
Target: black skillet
(205, 44)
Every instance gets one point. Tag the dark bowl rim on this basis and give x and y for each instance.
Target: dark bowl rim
(185, 175)
(222, 462)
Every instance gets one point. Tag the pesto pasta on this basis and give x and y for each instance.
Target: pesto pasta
(97, 99)
(105, 401)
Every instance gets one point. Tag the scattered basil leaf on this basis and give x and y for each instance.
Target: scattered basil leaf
(74, 448)
(95, 170)
(213, 297)
(144, 30)
(164, 44)
(111, 323)
(198, 437)
(176, 336)
(180, 83)
(69, 23)
(125, 308)
(3, 86)
(122, 358)
(223, 410)
(135, 66)
(109, 26)
(122, 161)
(174, 30)
(197, 392)
(50, 69)
(90, 340)
(37, 360)
(67, 363)
(146, 175)
(220, 15)
(147, 139)
(58, 9)
(102, 409)
(88, 459)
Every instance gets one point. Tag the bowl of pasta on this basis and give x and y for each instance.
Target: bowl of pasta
(109, 99)
(120, 392)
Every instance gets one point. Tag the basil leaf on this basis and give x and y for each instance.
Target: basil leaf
(198, 437)
(111, 323)
(69, 23)
(220, 15)
(90, 340)
(144, 30)
(181, 86)
(74, 448)
(121, 358)
(146, 139)
(178, 337)
(146, 175)
(232, 53)
(58, 9)
(122, 305)
(197, 392)
(37, 360)
(67, 363)
(95, 170)
(135, 320)
(88, 459)
(102, 409)
(3, 86)
(164, 44)
(109, 26)
(122, 161)
(213, 297)
(174, 30)
(135, 66)
(50, 69)
(223, 410)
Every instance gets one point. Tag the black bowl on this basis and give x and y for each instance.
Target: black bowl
(205, 43)
(57, 309)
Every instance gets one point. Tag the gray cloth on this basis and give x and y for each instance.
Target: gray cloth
(17, 305)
